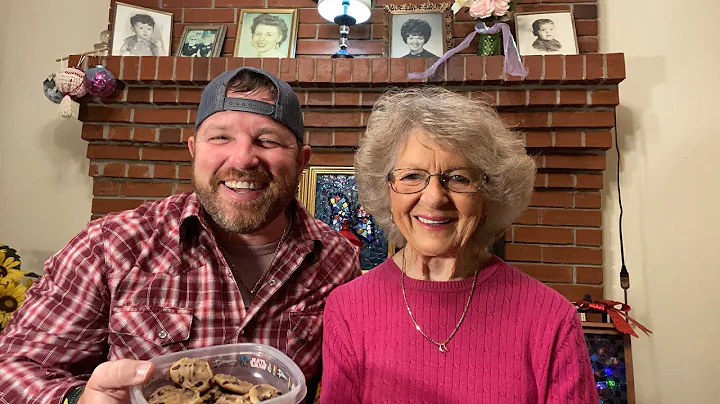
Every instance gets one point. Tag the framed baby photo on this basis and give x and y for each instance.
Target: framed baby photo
(548, 33)
(201, 41)
(266, 33)
(140, 31)
(417, 30)
(331, 195)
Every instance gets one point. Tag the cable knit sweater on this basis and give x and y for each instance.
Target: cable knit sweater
(521, 342)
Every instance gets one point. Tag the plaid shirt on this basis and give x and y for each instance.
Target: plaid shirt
(150, 281)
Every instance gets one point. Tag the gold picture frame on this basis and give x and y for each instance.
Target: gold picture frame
(190, 45)
(437, 17)
(266, 32)
(319, 183)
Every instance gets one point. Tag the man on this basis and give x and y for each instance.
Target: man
(238, 260)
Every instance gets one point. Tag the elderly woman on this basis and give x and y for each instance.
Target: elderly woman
(443, 320)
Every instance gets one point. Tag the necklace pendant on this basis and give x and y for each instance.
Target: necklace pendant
(443, 348)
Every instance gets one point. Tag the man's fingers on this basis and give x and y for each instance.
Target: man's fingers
(119, 374)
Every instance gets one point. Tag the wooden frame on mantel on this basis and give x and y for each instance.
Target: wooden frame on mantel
(593, 328)
(438, 15)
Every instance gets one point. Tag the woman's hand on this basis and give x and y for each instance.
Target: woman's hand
(109, 382)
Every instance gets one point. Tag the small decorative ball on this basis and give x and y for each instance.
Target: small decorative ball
(51, 91)
(71, 81)
(100, 81)
(105, 37)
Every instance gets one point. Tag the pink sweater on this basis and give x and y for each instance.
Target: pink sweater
(521, 342)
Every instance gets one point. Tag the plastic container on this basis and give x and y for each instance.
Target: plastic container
(254, 363)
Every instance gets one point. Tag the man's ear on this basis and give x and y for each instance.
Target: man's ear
(191, 146)
(304, 156)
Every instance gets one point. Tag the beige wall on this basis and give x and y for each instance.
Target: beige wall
(669, 132)
(45, 191)
(668, 124)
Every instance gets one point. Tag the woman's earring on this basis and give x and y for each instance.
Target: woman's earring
(391, 217)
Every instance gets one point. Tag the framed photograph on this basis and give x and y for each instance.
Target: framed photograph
(201, 41)
(417, 30)
(331, 196)
(548, 33)
(266, 33)
(140, 31)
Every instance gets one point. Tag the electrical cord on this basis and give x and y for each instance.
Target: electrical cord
(624, 274)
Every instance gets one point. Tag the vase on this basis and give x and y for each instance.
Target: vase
(489, 44)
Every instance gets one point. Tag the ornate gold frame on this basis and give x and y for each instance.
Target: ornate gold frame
(439, 8)
(308, 193)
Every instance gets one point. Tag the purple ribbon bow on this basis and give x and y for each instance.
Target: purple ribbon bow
(513, 64)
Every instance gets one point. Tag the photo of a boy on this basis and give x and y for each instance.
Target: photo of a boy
(142, 43)
(544, 30)
(195, 45)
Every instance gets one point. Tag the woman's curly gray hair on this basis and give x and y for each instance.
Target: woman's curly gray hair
(456, 123)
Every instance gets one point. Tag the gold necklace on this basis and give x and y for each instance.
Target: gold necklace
(441, 345)
(261, 280)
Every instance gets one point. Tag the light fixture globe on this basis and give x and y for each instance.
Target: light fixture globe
(344, 13)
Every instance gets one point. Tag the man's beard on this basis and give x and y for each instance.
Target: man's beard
(245, 217)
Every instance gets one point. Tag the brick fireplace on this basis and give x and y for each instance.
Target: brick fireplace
(564, 111)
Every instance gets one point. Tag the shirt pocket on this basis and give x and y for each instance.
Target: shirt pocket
(148, 331)
(305, 337)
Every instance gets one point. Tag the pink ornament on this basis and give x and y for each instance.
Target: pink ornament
(99, 81)
(71, 81)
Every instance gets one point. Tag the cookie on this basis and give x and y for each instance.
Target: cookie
(232, 384)
(262, 392)
(174, 395)
(210, 395)
(231, 399)
(192, 374)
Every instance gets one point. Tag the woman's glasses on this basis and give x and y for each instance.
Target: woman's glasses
(413, 180)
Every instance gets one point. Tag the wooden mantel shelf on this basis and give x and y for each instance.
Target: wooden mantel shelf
(370, 72)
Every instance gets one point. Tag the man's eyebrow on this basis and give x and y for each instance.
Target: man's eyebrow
(218, 127)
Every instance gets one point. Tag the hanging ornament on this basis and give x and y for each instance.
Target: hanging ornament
(51, 91)
(100, 81)
(71, 82)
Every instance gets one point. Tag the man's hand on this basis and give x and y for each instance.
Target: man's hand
(109, 382)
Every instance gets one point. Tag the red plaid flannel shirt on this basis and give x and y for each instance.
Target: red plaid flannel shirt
(150, 281)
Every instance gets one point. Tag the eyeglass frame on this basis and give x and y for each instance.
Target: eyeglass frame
(442, 177)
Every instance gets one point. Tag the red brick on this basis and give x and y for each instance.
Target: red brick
(272, 65)
(534, 66)
(381, 70)
(130, 68)
(184, 172)
(96, 113)
(329, 47)
(588, 200)
(552, 199)
(137, 95)
(571, 217)
(119, 133)
(151, 189)
(522, 252)
(346, 138)
(164, 171)
(315, 98)
(331, 159)
(605, 97)
(185, 3)
(317, 138)
(200, 70)
(308, 30)
(494, 66)
(166, 69)
(324, 72)
(208, 15)
(574, 69)
(568, 139)
(574, 98)
(615, 68)
(543, 235)
(332, 31)
(161, 115)
(369, 99)
(92, 132)
(165, 95)
(342, 72)
(589, 181)
(332, 119)
(583, 119)
(170, 135)
(114, 170)
(530, 216)
(585, 11)
(455, 68)
(572, 255)
(288, 70)
(547, 273)
(554, 68)
(543, 97)
(144, 134)
(114, 205)
(591, 275)
(106, 188)
(94, 170)
(591, 237)
(189, 95)
(306, 71)
(538, 139)
(601, 139)
(138, 171)
(588, 44)
(586, 27)
(347, 99)
(512, 98)
(166, 153)
(114, 152)
(183, 70)
(526, 120)
(585, 162)
(594, 68)
(186, 133)
(239, 3)
(148, 68)
(398, 70)
(184, 187)
(217, 66)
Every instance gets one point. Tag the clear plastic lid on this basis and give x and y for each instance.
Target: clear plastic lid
(254, 363)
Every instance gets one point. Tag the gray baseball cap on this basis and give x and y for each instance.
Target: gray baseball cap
(286, 109)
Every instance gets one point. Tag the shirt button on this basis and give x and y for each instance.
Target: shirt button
(242, 332)
(162, 334)
(271, 282)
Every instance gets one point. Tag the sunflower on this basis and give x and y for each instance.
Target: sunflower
(12, 295)
(10, 264)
